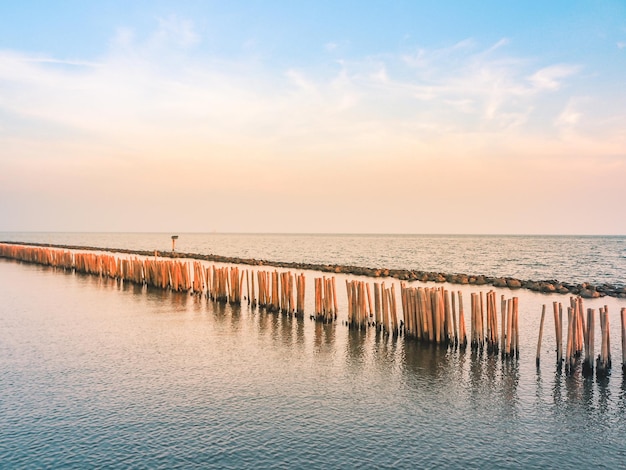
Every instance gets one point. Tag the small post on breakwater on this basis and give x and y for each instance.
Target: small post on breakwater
(174, 238)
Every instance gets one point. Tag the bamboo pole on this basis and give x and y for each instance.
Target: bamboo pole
(377, 305)
(406, 313)
(481, 321)
(603, 364)
(608, 336)
(448, 315)
(474, 321)
(383, 308)
(557, 332)
(418, 315)
(334, 293)
(509, 327)
(369, 300)
(623, 319)
(589, 345)
(437, 314)
(417, 327)
(394, 309)
(543, 316)
(515, 339)
(503, 325)
(248, 286)
(570, 331)
(462, 332)
(454, 321)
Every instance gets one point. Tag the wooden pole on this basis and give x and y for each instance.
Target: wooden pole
(394, 314)
(385, 308)
(589, 345)
(623, 318)
(543, 315)
(509, 326)
(555, 309)
(516, 325)
(449, 324)
(369, 300)
(462, 332)
(378, 317)
(454, 321)
(503, 326)
(570, 339)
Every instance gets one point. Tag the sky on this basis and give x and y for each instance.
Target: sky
(447, 117)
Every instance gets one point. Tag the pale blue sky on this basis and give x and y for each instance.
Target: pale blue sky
(418, 117)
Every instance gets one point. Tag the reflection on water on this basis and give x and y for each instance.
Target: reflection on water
(99, 374)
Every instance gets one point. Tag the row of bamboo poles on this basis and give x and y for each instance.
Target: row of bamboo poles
(580, 341)
(429, 314)
(380, 312)
(221, 284)
(276, 292)
(325, 299)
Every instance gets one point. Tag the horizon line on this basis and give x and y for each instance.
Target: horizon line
(215, 232)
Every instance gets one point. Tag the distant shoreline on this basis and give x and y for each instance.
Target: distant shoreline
(585, 290)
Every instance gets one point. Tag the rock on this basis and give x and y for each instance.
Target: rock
(547, 287)
(499, 282)
(514, 283)
(531, 285)
(589, 294)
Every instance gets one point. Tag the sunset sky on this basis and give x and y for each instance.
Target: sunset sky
(451, 117)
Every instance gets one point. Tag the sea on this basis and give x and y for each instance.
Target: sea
(95, 373)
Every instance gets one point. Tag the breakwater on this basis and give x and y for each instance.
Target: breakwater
(585, 290)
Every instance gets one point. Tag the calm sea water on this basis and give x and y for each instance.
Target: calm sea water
(575, 259)
(94, 374)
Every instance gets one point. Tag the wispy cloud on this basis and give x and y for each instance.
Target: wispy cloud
(551, 77)
(48, 60)
(178, 30)
(153, 91)
(571, 114)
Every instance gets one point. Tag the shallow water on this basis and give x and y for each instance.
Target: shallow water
(573, 259)
(98, 374)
